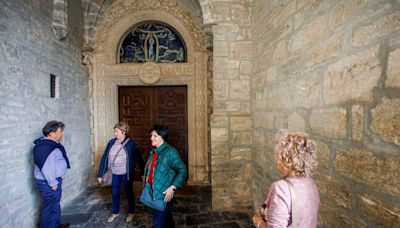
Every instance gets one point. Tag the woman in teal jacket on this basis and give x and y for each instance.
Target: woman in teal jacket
(165, 172)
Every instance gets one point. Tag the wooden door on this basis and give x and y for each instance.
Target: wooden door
(143, 106)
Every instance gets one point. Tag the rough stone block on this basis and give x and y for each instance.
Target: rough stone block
(279, 96)
(354, 76)
(240, 50)
(284, 12)
(280, 51)
(291, 66)
(260, 102)
(279, 120)
(239, 89)
(259, 137)
(323, 154)
(344, 9)
(220, 134)
(271, 75)
(221, 12)
(357, 119)
(329, 122)
(241, 190)
(336, 190)
(282, 31)
(265, 60)
(246, 67)
(246, 138)
(240, 153)
(258, 80)
(393, 71)
(223, 64)
(244, 34)
(269, 138)
(379, 172)
(325, 51)
(263, 120)
(231, 106)
(221, 48)
(380, 213)
(315, 30)
(377, 28)
(296, 122)
(329, 217)
(226, 74)
(241, 123)
(221, 90)
(219, 151)
(386, 120)
(298, 20)
(219, 121)
(307, 91)
(241, 138)
(241, 14)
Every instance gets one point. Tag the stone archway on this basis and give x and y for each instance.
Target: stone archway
(106, 75)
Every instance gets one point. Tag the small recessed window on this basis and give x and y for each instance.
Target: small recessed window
(53, 86)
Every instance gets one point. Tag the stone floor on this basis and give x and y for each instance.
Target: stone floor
(191, 209)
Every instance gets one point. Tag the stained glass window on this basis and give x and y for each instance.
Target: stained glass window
(152, 42)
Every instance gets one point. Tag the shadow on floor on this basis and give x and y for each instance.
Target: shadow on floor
(191, 209)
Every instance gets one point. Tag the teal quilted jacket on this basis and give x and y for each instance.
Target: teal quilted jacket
(169, 170)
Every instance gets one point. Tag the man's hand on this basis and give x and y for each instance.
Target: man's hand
(99, 179)
(54, 187)
(169, 193)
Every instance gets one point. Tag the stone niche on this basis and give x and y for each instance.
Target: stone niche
(106, 75)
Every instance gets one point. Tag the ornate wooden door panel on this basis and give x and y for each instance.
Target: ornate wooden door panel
(135, 108)
(171, 110)
(143, 106)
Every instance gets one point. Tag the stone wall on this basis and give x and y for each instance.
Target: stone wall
(331, 69)
(29, 53)
(231, 120)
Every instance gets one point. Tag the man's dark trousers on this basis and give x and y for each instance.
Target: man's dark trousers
(51, 211)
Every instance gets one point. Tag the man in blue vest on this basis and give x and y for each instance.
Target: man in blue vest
(51, 163)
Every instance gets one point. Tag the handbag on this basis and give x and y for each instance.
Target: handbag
(147, 199)
(107, 176)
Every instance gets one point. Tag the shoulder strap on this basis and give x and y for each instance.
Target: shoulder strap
(292, 202)
(126, 141)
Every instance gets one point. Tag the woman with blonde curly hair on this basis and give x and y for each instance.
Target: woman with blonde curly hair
(292, 201)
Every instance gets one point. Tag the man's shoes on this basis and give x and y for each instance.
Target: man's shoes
(65, 225)
(129, 218)
(112, 217)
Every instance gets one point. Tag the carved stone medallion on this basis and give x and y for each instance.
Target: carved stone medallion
(149, 73)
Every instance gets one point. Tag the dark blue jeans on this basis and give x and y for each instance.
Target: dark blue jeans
(51, 211)
(117, 180)
(163, 219)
